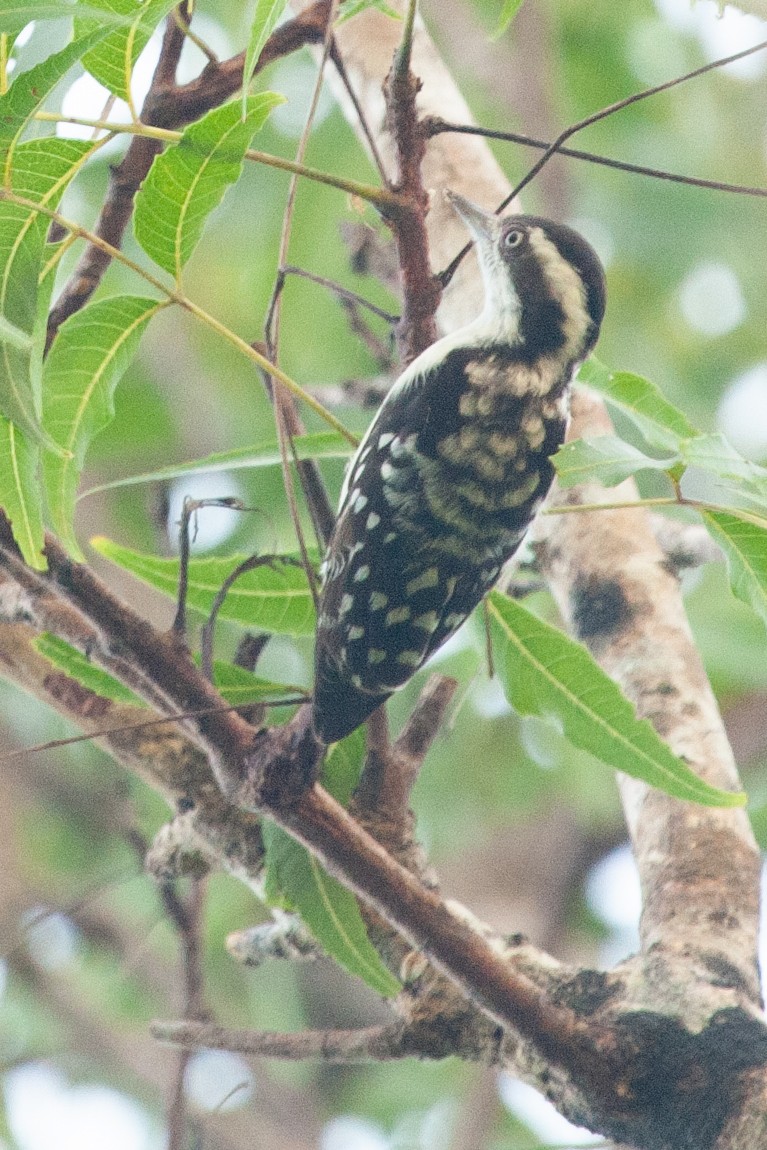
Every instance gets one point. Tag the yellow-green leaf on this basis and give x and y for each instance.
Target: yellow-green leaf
(545, 673)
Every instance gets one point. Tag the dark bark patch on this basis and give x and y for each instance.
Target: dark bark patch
(680, 1088)
(599, 607)
(727, 974)
(587, 992)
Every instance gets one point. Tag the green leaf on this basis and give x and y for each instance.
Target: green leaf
(274, 598)
(188, 180)
(329, 910)
(78, 667)
(15, 16)
(605, 459)
(547, 674)
(745, 549)
(661, 424)
(343, 766)
(41, 171)
(237, 685)
(13, 335)
(508, 12)
(20, 495)
(317, 445)
(90, 354)
(354, 7)
(29, 89)
(111, 62)
(713, 453)
(265, 18)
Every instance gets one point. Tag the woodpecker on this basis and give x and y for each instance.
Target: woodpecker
(454, 466)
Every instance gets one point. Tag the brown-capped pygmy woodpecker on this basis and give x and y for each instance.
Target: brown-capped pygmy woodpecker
(454, 466)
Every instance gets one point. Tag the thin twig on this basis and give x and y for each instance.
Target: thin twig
(110, 732)
(185, 914)
(208, 630)
(340, 291)
(374, 1043)
(611, 109)
(286, 416)
(435, 126)
(447, 274)
(191, 507)
(368, 136)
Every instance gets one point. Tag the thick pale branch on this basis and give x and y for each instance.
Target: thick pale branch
(699, 867)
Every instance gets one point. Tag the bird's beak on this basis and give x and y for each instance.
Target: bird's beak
(484, 226)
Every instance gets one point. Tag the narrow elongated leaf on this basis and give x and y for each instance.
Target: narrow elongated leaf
(661, 424)
(343, 766)
(274, 598)
(508, 12)
(29, 89)
(186, 182)
(317, 445)
(604, 459)
(111, 62)
(13, 335)
(745, 549)
(41, 171)
(329, 910)
(15, 16)
(265, 18)
(91, 352)
(20, 495)
(235, 683)
(240, 686)
(354, 7)
(716, 455)
(69, 660)
(545, 673)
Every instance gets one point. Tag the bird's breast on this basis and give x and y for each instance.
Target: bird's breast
(482, 454)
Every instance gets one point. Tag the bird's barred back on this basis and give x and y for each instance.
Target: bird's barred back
(437, 498)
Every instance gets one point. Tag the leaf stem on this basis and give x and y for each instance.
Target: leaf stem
(382, 198)
(661, 501)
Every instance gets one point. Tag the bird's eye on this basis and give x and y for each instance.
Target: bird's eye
(514, 239)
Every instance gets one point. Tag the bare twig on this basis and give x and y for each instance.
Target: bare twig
(185, 914)
(420, 289)
(208, 631)
(190, 508)
(447, 274)
(339, 290)
(618, 106)
(374, 1043)
(435, 126)
(392, 769)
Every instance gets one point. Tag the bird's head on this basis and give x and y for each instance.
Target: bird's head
(544, 284)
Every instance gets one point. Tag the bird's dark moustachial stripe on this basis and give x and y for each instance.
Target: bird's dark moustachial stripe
(454, 466)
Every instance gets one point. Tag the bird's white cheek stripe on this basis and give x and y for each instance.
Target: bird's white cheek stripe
(566, 286)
